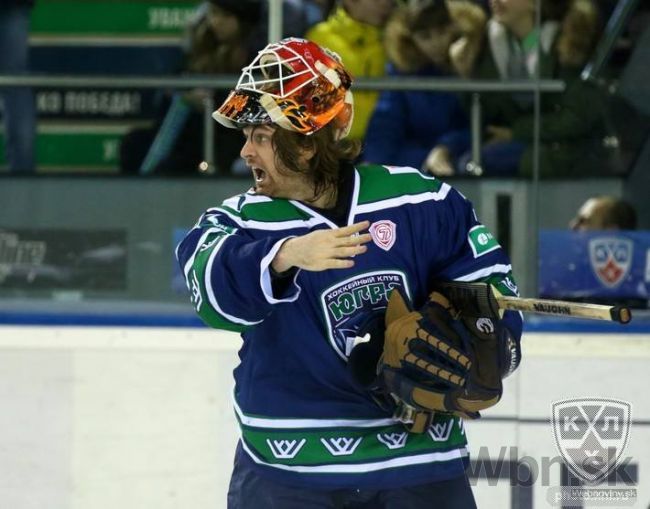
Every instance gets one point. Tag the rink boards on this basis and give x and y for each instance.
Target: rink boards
(108, 417)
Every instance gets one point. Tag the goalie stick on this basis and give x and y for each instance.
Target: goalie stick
(484, 300)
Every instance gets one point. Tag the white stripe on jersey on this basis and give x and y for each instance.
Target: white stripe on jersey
(439, 195)
(485, 272)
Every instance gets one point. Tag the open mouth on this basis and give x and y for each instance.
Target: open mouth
(259, 175)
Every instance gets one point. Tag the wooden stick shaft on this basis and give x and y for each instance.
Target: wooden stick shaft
(565, 308)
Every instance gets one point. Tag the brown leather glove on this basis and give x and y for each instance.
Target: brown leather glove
(436, 361)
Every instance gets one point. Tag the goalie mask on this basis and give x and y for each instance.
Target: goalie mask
(294, 84)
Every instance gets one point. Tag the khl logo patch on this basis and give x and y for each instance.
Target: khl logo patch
(591, 434)
(383, 233)
(611, 259)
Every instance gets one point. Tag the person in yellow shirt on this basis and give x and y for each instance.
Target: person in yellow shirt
(354, 31)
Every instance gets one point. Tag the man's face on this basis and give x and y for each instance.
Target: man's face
(591, 216)
(270, 180)
(372, 12)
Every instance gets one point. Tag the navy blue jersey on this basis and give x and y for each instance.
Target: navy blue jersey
(303, 418)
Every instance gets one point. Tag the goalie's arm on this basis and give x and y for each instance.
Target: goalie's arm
(470, 253)
(228, 273)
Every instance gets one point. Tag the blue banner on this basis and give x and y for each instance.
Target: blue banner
(601, 264)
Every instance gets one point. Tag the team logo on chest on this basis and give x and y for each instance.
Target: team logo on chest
(348, 304)
(383, 233)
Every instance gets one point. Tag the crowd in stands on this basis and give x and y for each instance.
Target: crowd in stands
(457, 38)
(221, 38)
(429, 130)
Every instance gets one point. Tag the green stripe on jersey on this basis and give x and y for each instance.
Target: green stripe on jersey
(199, 293)
(504, 283)
(304, 447)
(379, 183)
(275, 211)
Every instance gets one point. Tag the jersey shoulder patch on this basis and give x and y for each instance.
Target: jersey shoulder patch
(481, 240)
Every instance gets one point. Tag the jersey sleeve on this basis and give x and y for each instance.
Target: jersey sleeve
(227, 271)
(465, 250)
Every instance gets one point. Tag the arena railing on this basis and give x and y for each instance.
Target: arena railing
(220, 82)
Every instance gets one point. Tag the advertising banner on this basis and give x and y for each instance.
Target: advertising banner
(44, 259)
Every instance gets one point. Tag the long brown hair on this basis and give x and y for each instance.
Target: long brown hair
(323, 167)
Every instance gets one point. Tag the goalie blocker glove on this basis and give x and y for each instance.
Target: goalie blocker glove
(433, 360)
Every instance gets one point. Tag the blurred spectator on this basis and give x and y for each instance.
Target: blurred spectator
(421, 41)
(317, 10)
(514, 49)
(354, 31)
(296, 19)
(218, 40)
(604, 213)
(19, 106)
